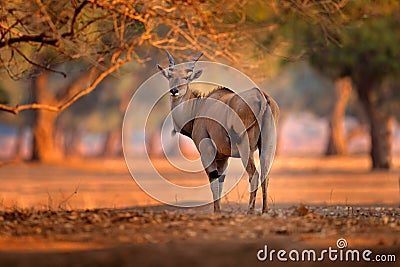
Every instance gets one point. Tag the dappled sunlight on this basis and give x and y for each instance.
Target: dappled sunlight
(124, 127)
(107, 184)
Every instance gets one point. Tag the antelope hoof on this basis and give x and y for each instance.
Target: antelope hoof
(250, 212)
(217, 209)
(264, 212)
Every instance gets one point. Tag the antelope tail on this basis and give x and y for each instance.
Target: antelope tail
(268, 136)
(258, 117)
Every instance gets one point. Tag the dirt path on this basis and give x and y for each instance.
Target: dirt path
(73, 215)
(166, 237)
(108, 184)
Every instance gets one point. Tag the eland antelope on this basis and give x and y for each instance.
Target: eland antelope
(224, 124)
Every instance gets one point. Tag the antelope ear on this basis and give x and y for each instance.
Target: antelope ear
(164, 72)
(196, 75)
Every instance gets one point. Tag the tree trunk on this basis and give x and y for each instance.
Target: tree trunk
(43, 148)
(381, 140)
(337, 144)
(112, 144)
(71, 141)
(381, 129)
(44, 145)
(19, 141)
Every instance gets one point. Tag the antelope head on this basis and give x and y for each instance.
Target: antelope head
(179, 79)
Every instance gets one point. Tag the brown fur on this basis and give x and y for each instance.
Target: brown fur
(216, 91)
(229, 144)
(243, 123)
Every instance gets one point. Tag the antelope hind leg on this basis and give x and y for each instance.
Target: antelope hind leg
(253, 174)
(264, 195)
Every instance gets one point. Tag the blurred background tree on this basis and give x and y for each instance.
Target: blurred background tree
(364, 52)
(367, 53)
(85, 41)
(304, 50)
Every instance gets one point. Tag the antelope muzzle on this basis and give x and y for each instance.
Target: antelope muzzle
(174, 91)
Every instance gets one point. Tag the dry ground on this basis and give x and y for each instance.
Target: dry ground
(93, 214)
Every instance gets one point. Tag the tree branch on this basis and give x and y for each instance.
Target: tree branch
(40, 38)
(76, 13)
(72, 99)
(37, 64)
(90, 88)
(20, 108)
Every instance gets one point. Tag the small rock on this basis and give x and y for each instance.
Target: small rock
(191, 233)
(386, 220)
(95, 218)
(87, 228)
(68, 226)
(149, 238)
(72, 217)
(302, 210)
(282, 230)
(338, 223)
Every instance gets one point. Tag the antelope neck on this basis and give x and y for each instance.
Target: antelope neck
(184, 111)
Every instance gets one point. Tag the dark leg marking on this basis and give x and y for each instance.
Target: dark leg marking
(213, 175)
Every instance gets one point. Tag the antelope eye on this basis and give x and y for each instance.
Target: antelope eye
(187, 77)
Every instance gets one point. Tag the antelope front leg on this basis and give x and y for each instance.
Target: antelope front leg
(208, 151)
(216, 184)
